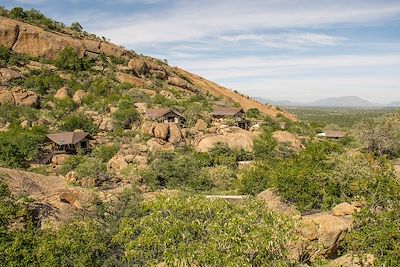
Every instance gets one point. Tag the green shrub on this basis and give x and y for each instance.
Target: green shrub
(16, 114)
(43, 82)
(18, 146)
(177, 170)
(68, 59)
(264, 147)
(382, 136)
(78, 121)
(105, 152)
(221, 154)
(253, 113)
(86, 167)
(5, 54)
(126, 114)
(188, 231)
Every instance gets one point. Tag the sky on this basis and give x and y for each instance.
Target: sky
(299, 50)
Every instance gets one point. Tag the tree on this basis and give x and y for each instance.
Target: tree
(76, 26)
(18, 13)
(68, 59)
(382, 137)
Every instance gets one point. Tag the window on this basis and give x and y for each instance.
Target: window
(84, 144)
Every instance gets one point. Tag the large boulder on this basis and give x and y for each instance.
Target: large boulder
(106, 124)
(8, 74)
(71, 177)
(8, 33)
(155, 144)
(326, 231)
(236, 139)
(350, 260)
(161, 131)
(175, 135)
(139, 66)
(35, 41)
(117, 164)
(6, 97)
(287, 137)
(200, 125)
(62, 93)
(148, 128)
(78, 96)
(179, 82)
(344, 209)
(167, 94)
(128, 78)
(159, 74)
(274, 202)
(25, 98)
(59, 159)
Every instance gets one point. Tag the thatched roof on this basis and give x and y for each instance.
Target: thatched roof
(69, 138)
(155, 113)
(221, 111)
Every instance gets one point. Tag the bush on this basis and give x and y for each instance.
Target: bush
(177, 170)
(126, 114)
(253, 113)
(68, 59)
(5, 54)
(86, 167)
(78, 121)
(105, 152)
(18, 146)
(264, 147)
(193, 231)
(382, 137)
(43, 82)
(16, 114)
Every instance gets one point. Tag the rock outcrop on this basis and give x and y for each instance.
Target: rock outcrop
(24, 38)
(8, 75)
(128, 78)
(18, 97)
(79, 96)
(62, 93)
(234, 137)
(287, 137)
(350, 260)
(32, 40)
(274, 202)
(200, 125)
(161, 131)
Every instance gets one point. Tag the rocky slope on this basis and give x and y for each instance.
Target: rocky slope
(34, 41)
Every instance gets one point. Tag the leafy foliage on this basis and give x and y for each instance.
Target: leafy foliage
(43, 82)
(194, 231)
(68, 59)
(17, 146)
(78, 121)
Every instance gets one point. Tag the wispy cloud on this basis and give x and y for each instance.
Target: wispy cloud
(206, 18)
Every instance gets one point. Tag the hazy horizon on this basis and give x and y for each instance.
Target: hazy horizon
(301, 51)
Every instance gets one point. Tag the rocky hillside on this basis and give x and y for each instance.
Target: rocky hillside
(34, 41)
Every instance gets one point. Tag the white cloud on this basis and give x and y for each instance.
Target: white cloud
(270, 66)
(199, 19)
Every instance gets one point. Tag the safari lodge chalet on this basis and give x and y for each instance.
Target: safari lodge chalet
(222, 113)
(166, 115)
(69, 142)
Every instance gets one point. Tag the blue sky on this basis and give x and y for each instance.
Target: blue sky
(278, 49)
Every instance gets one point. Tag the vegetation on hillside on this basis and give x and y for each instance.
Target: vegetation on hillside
(185, 229)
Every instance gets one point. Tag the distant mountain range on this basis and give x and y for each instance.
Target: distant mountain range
(344, 101)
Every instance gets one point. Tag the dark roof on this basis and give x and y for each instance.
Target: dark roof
(154, 113)
(221, 111)
(69, 138)
(335, 134)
